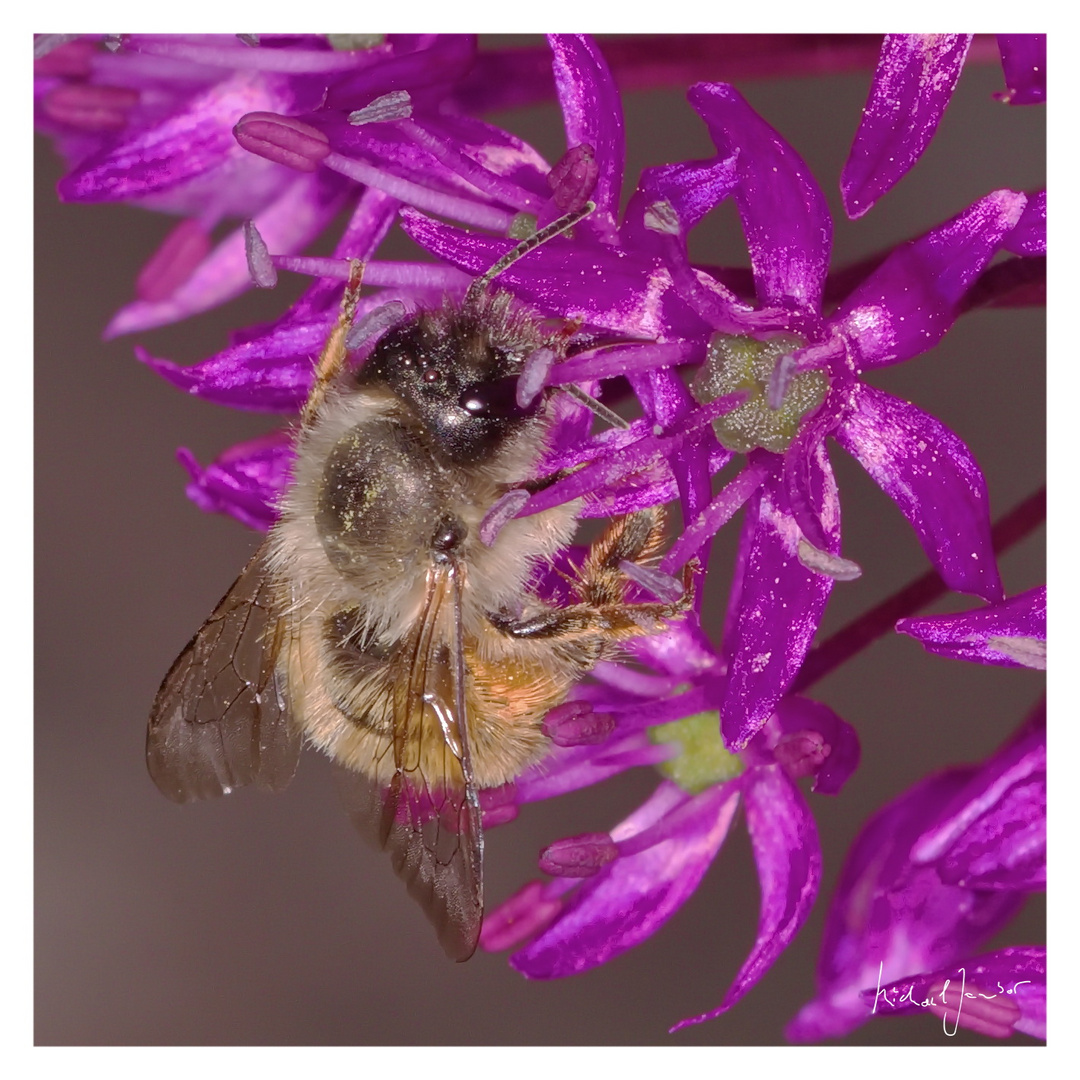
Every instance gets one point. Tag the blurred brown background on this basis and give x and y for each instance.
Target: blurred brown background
(264, 920)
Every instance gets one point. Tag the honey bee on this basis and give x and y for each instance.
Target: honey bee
(375, 621)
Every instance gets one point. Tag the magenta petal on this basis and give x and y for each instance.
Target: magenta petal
(1012, 633)
(777, 609)
(626, 294)
(634, 896)
(934, 479)
(192, 148)
(1023, 61)
(271, 373)
(592, 112)
(992, 835)
(245, 481)
(1029, 236)
(907, 304)
(914, 80)
(784, 215)
(295, 218)
(788, 856)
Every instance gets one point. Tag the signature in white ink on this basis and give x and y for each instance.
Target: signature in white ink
(946, 999)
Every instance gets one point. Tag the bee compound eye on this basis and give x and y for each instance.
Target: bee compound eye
(493, 400)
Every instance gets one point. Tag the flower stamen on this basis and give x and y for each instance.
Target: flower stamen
(282, 139)
(578, 856)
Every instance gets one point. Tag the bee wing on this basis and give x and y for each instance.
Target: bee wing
(428, 817)
(219, 720)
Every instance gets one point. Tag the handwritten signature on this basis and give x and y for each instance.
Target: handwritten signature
(943, 998)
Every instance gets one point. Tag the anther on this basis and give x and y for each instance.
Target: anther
(375, 323)
(504, 509)
(260, 263)
(830, 566)
(573, 177)
(533, 375)
(92, 108)
(498, 805)
(282, 139)
(60, 54)
(578, 856)
(575, 724)
(663, 586)
(802, 753)
(397, 105)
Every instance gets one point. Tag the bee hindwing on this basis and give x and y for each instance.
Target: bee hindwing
(220, 721)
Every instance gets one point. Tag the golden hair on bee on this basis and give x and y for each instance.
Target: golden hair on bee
(381, 622)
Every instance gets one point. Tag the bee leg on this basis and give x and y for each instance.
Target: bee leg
(333, 356)
(632, 538)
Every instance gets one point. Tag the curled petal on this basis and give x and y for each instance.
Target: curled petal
(934, 479)
(1029, 236)
(296, 217)
(1012, 633)
(907, 304)
(776, 610)
(914, 80)
(785, 218)
(592, 112)
(691, 189)
(634, 896)
(788, 856)
(245, 481)
(797, 716)
(1023, 60)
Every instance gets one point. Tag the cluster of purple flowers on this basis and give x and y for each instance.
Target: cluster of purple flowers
(283, 133)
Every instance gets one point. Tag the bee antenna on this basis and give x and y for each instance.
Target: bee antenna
(597, 407)
(556, 228)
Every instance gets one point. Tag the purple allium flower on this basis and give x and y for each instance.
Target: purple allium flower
(914, 80)
(932, 876)
(791, 545)
(611, 891)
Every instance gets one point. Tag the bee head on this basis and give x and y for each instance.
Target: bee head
(457, 375)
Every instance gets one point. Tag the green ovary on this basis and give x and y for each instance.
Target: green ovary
(734, 362)
(702, 760)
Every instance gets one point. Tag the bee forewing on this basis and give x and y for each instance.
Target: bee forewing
(428, 817)
(219, 721)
